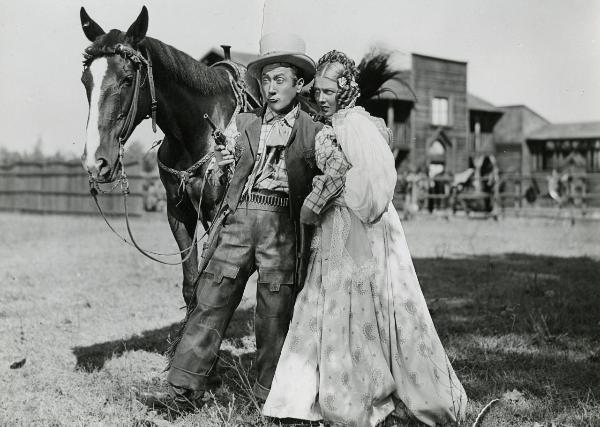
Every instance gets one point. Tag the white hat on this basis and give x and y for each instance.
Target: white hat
(282, 47)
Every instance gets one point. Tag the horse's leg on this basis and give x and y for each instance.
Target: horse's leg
(183, 231)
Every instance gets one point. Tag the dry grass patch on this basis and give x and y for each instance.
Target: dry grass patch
(91, 317)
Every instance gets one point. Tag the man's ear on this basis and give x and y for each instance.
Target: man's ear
(299, 85)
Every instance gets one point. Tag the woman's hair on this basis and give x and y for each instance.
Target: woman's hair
(337, 66)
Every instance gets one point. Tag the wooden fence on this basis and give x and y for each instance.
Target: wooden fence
(62, 187)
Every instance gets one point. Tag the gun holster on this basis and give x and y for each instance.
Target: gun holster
(209, 247)
(303, 255)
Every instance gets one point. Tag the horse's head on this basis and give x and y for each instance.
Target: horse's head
(113, 67)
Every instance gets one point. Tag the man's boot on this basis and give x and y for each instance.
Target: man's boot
(177, 399)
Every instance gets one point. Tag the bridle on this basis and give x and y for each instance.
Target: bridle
(139, 61)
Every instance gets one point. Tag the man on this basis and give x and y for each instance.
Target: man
(262, 232)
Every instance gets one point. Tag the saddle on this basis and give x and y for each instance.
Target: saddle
(245, 87)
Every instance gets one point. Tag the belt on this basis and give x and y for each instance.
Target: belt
(271, 200)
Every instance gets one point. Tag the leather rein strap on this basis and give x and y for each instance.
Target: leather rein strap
(139, 60)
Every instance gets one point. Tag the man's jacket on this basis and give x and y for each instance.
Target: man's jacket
(300, 163)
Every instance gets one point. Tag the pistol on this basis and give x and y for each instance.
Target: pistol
(217, 133)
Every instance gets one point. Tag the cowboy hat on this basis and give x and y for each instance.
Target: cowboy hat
(285, 48)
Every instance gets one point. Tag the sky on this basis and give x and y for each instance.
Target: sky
(541, 53)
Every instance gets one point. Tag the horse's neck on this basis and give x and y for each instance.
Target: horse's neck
(186, 89)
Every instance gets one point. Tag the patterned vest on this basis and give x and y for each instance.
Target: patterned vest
(299, 157)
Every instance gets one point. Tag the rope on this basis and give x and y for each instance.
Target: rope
(124, 184)
(97, 203)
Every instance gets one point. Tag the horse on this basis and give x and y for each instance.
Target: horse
(128, 77)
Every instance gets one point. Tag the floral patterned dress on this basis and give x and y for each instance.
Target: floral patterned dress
(362, 343)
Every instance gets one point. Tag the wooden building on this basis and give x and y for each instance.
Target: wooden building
(510, 136)
(438, 125)
(557, 146)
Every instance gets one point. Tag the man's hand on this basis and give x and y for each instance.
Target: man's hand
(308, 217)
(223, 156)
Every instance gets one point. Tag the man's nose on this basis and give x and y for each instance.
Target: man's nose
(321, 99)
(271, 87)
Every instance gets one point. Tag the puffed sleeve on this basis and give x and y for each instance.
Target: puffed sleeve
(332, 162)
(369, 185)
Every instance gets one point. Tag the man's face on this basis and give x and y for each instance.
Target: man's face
(280, 87)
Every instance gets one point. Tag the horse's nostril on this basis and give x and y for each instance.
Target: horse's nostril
(102, 165)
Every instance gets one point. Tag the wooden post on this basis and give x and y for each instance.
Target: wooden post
(454, 168)
(390, 114)
(412, 143)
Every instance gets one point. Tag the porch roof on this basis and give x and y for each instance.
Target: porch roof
(396, 91)
(480, 104)
(583, 130)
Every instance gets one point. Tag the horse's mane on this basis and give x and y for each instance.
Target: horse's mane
(186, 69)
(179, 65)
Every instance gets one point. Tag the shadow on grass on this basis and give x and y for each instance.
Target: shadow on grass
(93, 357)
(521, 322)
(508, 321)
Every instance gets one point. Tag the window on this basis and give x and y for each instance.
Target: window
(440, 112)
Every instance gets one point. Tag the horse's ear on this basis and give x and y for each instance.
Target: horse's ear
(137, 31)
(91, 30)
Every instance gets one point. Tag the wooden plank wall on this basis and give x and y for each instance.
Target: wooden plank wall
(62, 187)
(436, 77)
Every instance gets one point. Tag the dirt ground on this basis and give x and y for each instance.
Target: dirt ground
(515, 303)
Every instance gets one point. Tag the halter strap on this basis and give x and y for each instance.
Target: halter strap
(139, 60)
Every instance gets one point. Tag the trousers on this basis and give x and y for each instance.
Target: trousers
(253, 237)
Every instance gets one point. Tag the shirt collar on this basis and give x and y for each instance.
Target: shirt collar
(289, 118)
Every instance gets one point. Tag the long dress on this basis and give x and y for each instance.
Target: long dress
(362, 343)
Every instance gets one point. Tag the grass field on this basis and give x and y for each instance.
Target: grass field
(516, 304)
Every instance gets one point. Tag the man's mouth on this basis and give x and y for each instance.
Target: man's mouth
(272, 99)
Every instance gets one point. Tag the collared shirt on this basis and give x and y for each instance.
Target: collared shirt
(270, 171)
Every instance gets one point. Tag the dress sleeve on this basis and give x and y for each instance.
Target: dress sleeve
(332, 162)
(369, 185)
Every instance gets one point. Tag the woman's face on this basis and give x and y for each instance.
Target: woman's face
(325, 95)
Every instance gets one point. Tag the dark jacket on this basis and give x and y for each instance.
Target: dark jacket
(300, 163)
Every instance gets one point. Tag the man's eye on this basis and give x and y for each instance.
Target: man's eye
(279, 80)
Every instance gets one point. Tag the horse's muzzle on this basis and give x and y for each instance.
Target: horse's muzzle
(102, 172)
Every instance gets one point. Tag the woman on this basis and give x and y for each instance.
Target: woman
(362, 343)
